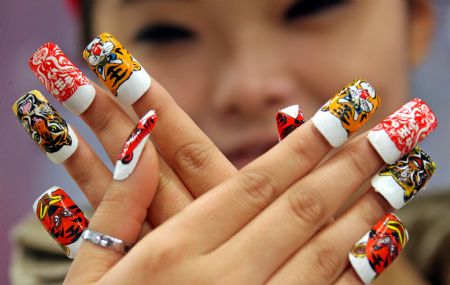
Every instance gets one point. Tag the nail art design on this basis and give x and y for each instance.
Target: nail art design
(396, 135)
(288, 119)
(346, 112)
(62, 78)
(378, 248)
(45, 126)
(117, 68)
(62, 219)
(399, 182)
(132, 149)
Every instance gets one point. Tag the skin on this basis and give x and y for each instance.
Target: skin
(241, 67)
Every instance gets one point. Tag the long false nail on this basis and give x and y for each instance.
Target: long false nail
(400, 132)
(117, 68)
(346, 112)
(45, 126)
(399, 182)
(288, 119)
(377, 249)
(62, 78)
(132, 149)
(61, 218)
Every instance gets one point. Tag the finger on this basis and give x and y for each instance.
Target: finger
(188, 151)
(349, 277)
(323, 259)
(123, 210)
(62, 145)
(304, 208)
(102, 114)
(238, 200)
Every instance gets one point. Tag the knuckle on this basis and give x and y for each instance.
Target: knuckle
(193, 156)
(308, 206)
(166, 253)
(259, 188)
(302, 148)
(327, 259)
(357, 163)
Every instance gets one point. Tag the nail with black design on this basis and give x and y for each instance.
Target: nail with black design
(45, 126)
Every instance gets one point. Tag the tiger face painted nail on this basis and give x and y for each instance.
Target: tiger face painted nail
(62, 78)
(45, 126)
(346, 112)
(117, 68)
(134, 146)
(378, 248)
(61, 218)
(288, 119)
(399, 182)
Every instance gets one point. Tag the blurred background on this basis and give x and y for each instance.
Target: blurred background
(25, 172)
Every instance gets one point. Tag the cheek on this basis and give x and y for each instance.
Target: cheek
(357, 45)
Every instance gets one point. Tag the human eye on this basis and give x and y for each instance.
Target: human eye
(163, 33)
(304, 8)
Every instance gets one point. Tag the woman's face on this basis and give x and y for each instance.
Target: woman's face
(232, 64)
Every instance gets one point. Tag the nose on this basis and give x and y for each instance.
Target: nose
(255, 80)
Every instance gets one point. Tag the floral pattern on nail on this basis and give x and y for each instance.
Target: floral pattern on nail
(56, 72)
(411, 172)
(409, 125)
(42, 122)
(380, 246)
(110, 61)
(61, 217)
(288, 119)
(353, 105)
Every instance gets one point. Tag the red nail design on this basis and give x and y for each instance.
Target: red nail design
(62, 219)
(62, 78)
(378, 248)
(397, 135)
(288, 119)
(134, 145)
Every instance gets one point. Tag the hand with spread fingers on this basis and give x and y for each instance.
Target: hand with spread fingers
(268, 223)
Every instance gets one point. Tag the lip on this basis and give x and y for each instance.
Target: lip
(248, 151)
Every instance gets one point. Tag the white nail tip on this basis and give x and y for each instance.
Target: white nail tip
(80, 100)
(291, 111)
(384, 146)
(134, 88)
(66, 151)
(330, 127)
(123, 171)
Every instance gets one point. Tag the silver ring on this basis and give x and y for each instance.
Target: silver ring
(106, 241)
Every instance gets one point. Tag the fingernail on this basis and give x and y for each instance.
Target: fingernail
(61, 218)
(378, 248)
(288, 119)
(45, 126)
(117, 68)
(346, 112)
(132, 149)
(62, 78)
(399, 133)
(399, 182)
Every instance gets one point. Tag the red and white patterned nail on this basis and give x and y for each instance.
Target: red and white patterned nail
(61, 218)
(62, 78)
(288, 119)
(132, 150)
(399, 133)
(377, 249)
